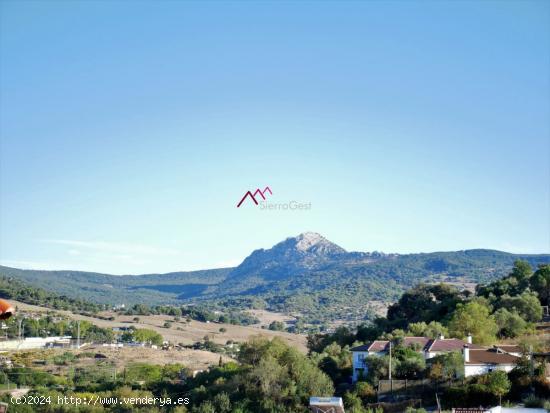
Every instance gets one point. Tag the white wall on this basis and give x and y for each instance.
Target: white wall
(500, 409)
(475, 370)
(29, 343)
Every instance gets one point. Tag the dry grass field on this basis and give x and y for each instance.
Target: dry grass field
(182, 332)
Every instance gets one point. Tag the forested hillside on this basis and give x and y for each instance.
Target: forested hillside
(13, 289)
(306, 275)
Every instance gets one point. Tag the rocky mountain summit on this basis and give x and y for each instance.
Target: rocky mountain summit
(294, 255)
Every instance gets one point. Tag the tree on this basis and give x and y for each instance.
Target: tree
(277, 326)
(513, 284)
(206, 407)
(353, 403)
(447, 366)
(280, 375)
(365, 391)
(473, 318)
(498, 384)
(527, 305)
(410, 363)
(432, 330)
(510, 324)
(378, 368)
(424, 303)
(222, 403)
(521, 271)
(540, 283)
(143, 335)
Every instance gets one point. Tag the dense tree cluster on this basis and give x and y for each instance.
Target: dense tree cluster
(198, 313)
(54, 325)
(11, 288)
(271, 378)
(142, 335)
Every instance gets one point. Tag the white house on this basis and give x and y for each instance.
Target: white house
(360, 354)
(482, 361)
(427, 346)
(477, 359)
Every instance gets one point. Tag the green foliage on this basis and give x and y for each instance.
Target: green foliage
(142, 372)
(335, 361)
(272, 377)
(143, 335)
(540, 283)
(519, 282)
(432, 330)
(424, 303)
(342, 290)
(11, 288)
(511, 324)
(410, 364)
(378, 369)
(55, 325)
(526, 304)
(498, 384)
(277, 326)
(473, 318)
(447, 366)
(24, 376)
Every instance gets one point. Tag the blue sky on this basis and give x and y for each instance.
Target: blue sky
(129, 131)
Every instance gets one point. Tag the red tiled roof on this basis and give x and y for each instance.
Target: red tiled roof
(449, 344)
(423, 343)
(376, 346)
(379, 345)
(491, 356)
(412, 341)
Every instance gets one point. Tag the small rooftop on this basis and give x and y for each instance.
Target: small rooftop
(449, 344)
(376, 346)
(510, 348)
(490, 356)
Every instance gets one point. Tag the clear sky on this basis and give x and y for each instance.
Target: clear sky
(130, 130)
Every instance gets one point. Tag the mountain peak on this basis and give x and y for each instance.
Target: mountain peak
(315, 242)
(294, 255)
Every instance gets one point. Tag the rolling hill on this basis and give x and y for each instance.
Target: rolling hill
(306, 275)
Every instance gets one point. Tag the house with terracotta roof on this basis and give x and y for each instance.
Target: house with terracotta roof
(481, 360)
(477, 359)
(427, 346)
(359, 356)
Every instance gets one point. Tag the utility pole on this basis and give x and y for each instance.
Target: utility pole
(531, 369)
(389, 370)
(389, 375)
(20, 322)
(78, 334)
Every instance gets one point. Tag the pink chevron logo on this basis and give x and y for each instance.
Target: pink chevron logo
(253, 195)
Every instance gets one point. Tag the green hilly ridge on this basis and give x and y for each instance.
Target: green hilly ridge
(306, 275)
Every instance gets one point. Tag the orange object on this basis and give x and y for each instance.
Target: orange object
(6, 310)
